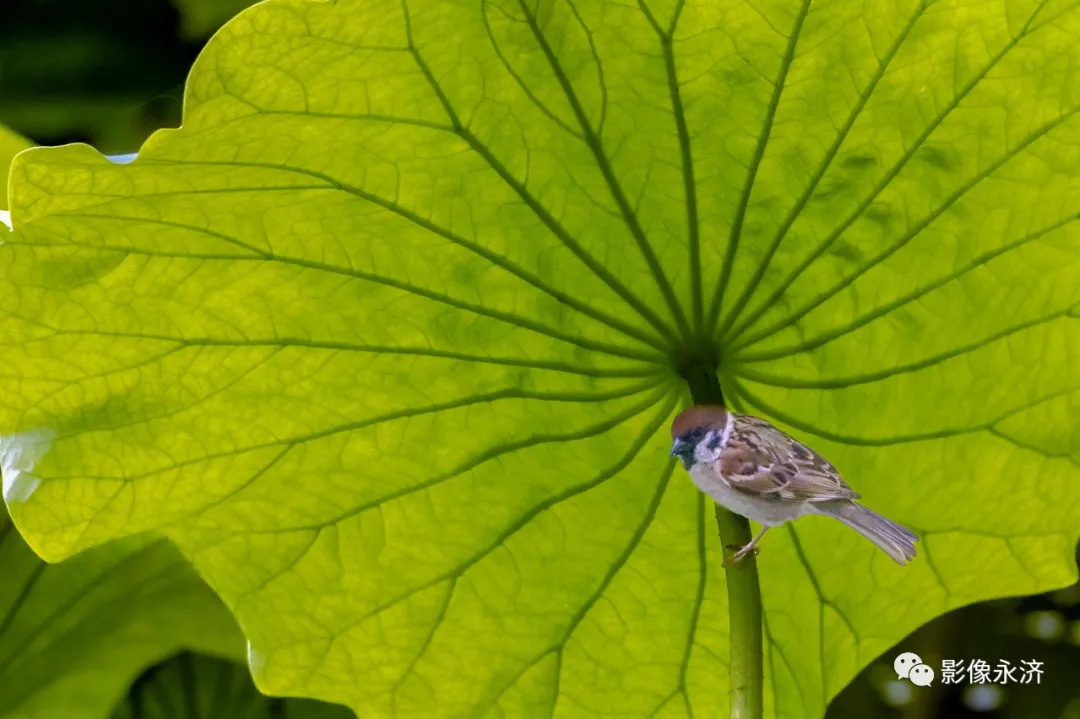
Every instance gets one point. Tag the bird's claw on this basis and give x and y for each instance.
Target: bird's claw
(740, 554)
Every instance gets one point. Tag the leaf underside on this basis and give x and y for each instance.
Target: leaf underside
(388, 336)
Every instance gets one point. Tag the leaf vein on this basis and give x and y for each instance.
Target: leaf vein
(881, 186)
(917, 228)
(531, 201)
(759, 154)
(823, 166)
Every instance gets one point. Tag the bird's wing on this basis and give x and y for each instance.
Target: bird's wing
(762, 460)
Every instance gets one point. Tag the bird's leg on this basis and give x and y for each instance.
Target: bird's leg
(743, 551)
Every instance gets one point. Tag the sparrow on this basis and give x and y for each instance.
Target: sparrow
(762, 473)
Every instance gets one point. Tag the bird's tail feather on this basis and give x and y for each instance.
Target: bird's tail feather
(896, 541)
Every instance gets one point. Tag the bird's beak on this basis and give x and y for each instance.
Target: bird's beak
(684, 451)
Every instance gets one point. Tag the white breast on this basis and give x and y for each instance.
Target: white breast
(766, 512)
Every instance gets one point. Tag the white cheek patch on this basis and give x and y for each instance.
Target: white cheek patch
(702, 453)
(728, 427)
(713, 443)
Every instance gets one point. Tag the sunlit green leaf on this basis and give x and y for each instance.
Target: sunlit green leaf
(387, 337)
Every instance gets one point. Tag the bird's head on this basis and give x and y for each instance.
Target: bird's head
(699, 433)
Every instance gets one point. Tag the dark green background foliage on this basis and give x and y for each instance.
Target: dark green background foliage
(191, 686)
(98, 631)
(110, 73)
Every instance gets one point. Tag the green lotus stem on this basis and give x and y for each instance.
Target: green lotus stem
(745, 667)
(745, 672)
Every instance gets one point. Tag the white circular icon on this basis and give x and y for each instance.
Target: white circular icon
(921, 675)
(903, 664)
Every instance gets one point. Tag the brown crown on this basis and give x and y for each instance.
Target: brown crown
(709, 416)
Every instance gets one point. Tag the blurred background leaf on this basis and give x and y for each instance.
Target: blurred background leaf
(74, 635)
(107, 73)
(10, 145)
(191, 686)
(200, 18)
